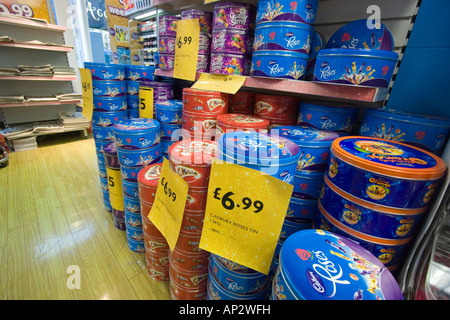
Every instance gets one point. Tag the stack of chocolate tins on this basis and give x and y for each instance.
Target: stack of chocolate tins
(326, 115)
(242, 102)
(114, 184)
(110, 106)
(169, 114)
(314, 152)
(167, 37)
(318, 43)
(188, 266)
(240, 122)
(156, 246)
(137, 142)
(135, 75)
(232, 34)
(162, 91)
(283, 36)
(279, 110)
(200, 111)
(204, 43)
(376, 192)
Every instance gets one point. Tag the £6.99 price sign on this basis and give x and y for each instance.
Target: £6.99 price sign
(244, 215)
(186, 49)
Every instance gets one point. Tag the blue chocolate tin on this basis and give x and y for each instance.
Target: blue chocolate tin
(388, 251)
(107, 205)
(424, 131)
(300, 209)
(283, 36)
(130, 188)
(102, 171)
(314, 145)
(133, 219)
(332, 116)
(318, 43)
(139, 73)
(165, 145)
(109, 88)
(367, 218)
(320, 265)
(383, 172)
(307, 185)
(287, 10)
(105, 104)
(129, 174)
(133, 113)
(133, 88)
(214, 291)
(242, 283)
(103, 133)
(106, 71)
(290, 227)
(135, 134)
(169, 111)
(359, 67)
(136, 246)
(140, 157)
(275, 156)
(135, 234)
(171, 131)
(279, 64)
(99, 144)
(107, 119)
(133, 102)
(358, 35)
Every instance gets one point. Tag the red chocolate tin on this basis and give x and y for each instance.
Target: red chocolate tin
(242, 102)
(157, 259)
(148, 178)
(240, 122)
(196, 199)
(194, 262)
(191, 159)
(182, 293)
(156, 245)
(200, 102)
(201, 126)
(189, 242)
(188, 279)
(158, 273)
(276, 107)
(192, 222)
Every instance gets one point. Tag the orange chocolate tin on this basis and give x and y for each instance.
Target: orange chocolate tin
(201, 102)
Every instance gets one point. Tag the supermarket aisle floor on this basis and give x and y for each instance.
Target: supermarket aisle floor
(52, 218)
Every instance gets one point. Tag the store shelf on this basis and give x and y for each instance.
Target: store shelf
(65, 129)
(35, 47)
(18, 21)
(307, 88)
(30, 78)
(35, 104)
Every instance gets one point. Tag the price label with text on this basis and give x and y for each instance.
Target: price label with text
(145, 102)
(219, 82)
(115, 188)
(168, 207)
(186, 49)
(244, 214)
(87, 91)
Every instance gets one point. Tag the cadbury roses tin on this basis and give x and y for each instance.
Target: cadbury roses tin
(319, 265)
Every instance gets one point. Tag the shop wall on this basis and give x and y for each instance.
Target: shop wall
(421, 83)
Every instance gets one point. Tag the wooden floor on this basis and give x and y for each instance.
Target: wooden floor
(52, 217)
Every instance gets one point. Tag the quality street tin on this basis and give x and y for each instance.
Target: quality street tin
(231, 40)
(234, 15)
(273, 155)
(424, 131)
(314, 145)
(319, 265)
(368, 218)
(383, 172)
(230, 63)
(135, 134)
(168, 26)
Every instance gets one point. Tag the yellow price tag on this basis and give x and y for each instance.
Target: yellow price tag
(145, 102)
(87, 91)
(168, 207)
(115, 188)
(209, 1)
(186, 49)
(244, 214)
(219, 82)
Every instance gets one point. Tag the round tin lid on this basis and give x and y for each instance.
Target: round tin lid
(202, 93)
(356, 34)
(281, 53)
(194, 152)
(196, 12)
(155, 84)
(258, 148)
(136, 125)
(306, 136)
(382, 54)
(234, 4)
(110, 149)
(408, 117)
(388, 158)
(149, 175)
(284, 24)
(244, 121)
(320, 265)
(170, 104)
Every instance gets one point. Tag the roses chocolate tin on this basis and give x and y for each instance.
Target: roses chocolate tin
(138, 133)
(384, 172)
(320, 265)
